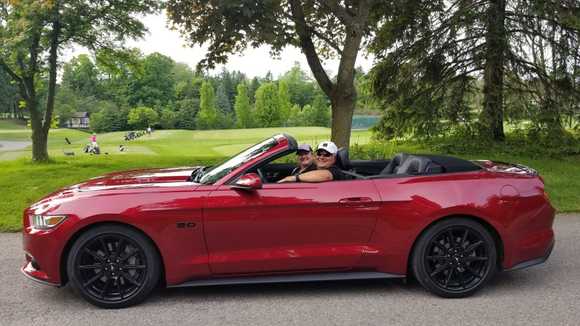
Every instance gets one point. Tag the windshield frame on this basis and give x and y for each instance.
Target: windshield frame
(232, 164)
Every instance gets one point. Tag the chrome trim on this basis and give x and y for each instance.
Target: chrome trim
(43, 282)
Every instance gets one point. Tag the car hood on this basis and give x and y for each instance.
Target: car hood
(138, 179)
(120, 181)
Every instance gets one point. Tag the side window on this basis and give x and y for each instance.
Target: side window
(275, 168)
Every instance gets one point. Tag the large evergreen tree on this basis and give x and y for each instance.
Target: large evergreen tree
(208, 116)
(431, 53)
(268, 106)
(243, 107)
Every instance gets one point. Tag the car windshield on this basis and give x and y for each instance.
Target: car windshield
(235, 162)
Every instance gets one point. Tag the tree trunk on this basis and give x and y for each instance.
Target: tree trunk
(342, 112)
(39, 135)
(492, 115)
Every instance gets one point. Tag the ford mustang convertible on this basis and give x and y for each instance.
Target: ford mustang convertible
(448, 222)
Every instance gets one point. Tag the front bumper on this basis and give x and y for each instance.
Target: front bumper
(42, 255)
(36, 275)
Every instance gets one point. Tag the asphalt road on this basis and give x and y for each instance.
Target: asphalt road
(548, 294)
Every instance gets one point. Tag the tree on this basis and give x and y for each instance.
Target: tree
(80, 75)
(142, 117)
(8, 96)
(168, 118)
(431, 53)
(154, 86)
(321, 29)
(300, 86)
(284, 102)
(208, 117)
(109, 118)
(243, 108)
(33, 33)
(268, 105)
(224, 108)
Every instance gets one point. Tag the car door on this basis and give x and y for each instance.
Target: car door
(289, 227)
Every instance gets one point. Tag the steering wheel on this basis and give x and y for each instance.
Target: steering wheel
(261, 174)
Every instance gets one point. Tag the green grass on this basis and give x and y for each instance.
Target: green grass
(24, 182)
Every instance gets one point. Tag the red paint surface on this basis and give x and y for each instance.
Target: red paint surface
(296, 227)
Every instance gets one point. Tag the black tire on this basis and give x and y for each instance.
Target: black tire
(113, 266)
(454, 258)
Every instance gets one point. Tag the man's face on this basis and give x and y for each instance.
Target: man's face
(324, 159)
(305, 158)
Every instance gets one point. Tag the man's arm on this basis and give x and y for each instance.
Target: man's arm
(312, 176)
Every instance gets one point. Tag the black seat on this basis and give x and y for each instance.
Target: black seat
(414, 165)
(342, 160)
(397, 160)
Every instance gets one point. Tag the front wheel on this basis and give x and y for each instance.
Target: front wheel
(454, 258)
(113, 266)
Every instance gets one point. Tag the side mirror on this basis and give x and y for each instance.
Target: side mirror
(250, 181)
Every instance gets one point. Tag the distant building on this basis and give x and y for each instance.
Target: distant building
(79, 120)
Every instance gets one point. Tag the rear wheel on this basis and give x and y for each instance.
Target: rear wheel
(454, 258)
(113, 266)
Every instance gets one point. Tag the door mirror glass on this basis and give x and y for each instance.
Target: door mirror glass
(250, 181)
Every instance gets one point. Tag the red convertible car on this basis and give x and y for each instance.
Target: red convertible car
(450, 223)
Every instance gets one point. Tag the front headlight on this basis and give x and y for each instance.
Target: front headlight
(46, 222)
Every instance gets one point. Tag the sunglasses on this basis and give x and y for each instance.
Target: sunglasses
(323, 153)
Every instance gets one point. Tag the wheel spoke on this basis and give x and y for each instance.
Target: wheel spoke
(119, 288)
(130, 279)
(134, 266)
(93, 279)
(451, 271)
(105, 288)
(472, 271)
(439, 269)
(472, 247)
(464, 238)
(470, 259)
(462, 280)
(105, 246)
(129, 255)
(94, 255)
(93, 266)
(451, 238)
(119, 247)
(437, 258)
(440, 246)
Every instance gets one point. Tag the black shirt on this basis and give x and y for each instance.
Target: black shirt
(309, 168)
(337, 174)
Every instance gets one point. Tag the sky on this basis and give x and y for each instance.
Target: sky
(252, 62)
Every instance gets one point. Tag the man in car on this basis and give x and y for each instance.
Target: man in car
(326, 170)
(305, 160)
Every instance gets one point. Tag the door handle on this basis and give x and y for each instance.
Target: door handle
(355, 200)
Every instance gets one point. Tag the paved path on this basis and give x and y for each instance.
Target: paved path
(548, 294)
(6, 145)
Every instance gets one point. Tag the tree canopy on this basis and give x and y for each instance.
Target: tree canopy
(33, 33)
(321, 29)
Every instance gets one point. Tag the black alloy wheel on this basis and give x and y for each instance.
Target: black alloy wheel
(113, 266)
(455, 258)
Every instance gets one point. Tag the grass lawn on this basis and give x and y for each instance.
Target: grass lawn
(23, 182)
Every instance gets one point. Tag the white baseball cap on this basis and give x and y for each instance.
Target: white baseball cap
(328, 146)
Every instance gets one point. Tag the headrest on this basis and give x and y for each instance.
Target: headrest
(394, 163)
(342, 160)
(414, 165)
